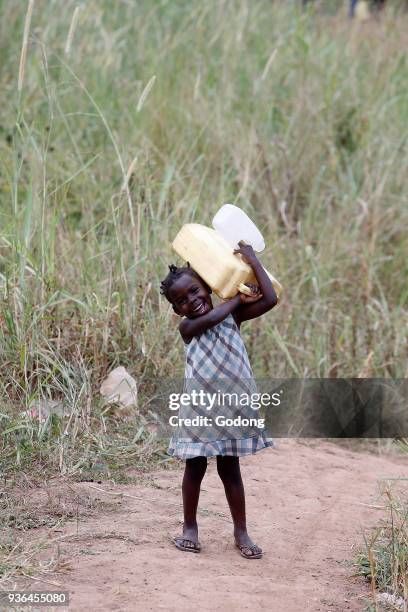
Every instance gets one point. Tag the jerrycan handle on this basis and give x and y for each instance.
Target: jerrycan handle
(244, 289)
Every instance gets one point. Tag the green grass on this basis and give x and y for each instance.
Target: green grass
(300, 119)
(384, 561)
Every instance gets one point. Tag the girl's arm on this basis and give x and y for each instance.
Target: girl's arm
(269, 298)
(194, 327)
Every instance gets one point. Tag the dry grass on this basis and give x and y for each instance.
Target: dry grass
(300, 119)
(384, 562)
(32, 517)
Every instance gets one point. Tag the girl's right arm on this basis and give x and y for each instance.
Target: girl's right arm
(195, 327)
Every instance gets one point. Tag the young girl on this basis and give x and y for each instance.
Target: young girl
(214, 349)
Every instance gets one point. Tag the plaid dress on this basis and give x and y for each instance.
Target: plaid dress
(218, 356)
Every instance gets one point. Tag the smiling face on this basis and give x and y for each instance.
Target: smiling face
(190, 297)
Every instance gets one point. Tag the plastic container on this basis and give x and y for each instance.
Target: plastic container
(235, 225)
(210, 255)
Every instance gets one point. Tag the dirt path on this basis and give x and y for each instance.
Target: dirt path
(307, 506)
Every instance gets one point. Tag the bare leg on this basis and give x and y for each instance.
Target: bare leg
(230, 474)
(193, 475)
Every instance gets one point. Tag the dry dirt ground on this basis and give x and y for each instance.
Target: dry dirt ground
(308, 505)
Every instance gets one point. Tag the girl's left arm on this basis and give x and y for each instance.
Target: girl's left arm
(269, 298)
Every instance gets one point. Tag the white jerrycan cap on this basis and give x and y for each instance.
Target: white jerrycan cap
(235, 225)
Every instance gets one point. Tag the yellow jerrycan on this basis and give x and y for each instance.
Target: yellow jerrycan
(210, 255)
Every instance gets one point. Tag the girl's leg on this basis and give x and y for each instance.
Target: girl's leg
(193, 475)
(229, 471)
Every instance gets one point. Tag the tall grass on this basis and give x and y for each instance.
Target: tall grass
(384, 562)
(125, 120)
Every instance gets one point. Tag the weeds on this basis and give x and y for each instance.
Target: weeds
(385, 560)
(120, 122)
(101, 164)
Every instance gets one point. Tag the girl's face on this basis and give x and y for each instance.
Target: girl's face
(190, 297)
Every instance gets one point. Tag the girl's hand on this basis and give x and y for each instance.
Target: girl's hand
(255, 289)
(247, 253)
(250, 299)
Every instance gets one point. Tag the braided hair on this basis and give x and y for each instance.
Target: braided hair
(173, 275)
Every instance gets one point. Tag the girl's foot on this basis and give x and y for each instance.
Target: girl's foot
(189, 540)
(247, 548)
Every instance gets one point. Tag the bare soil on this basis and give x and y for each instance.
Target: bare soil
(308, 506)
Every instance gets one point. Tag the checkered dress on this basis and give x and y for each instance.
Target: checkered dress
(218, 354)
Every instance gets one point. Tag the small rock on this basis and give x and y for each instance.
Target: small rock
(120, 387)
(392, 600)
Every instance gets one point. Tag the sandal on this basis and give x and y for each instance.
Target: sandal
(179, 542)
(252, 548)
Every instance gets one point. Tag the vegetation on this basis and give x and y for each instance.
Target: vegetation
(123, 120)
(384, 562)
